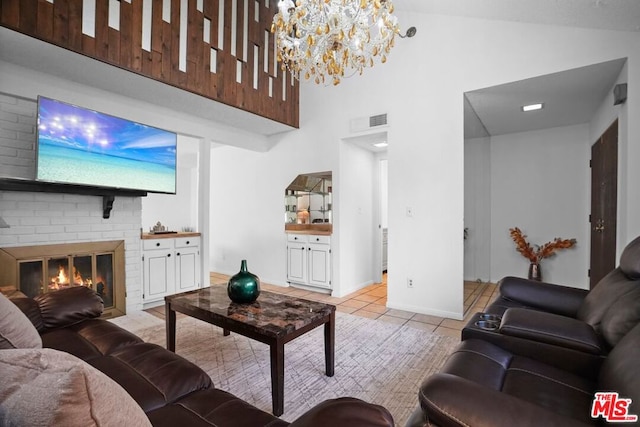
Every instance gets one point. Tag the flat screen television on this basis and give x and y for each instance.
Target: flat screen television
(85, 147)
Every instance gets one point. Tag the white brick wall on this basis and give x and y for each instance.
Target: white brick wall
(52, 218)
(17, 137)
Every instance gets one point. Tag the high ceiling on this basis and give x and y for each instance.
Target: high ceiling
(570, 97)
(620, 15)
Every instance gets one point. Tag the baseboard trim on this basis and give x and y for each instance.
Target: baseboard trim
(344, 292)
(426, 310)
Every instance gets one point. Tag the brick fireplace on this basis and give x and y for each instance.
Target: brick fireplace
(34, 218)
(39, 269)
(43, 219)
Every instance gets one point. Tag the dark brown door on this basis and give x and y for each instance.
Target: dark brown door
(604, 200)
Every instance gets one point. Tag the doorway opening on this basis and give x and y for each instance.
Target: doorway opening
(531, 170)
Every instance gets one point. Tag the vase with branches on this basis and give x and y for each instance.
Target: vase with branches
(536, 253)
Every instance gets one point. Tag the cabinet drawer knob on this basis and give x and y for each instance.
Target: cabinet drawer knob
(317, 239)
(295, 238)
(188, 242)
(158, 244)
(178, 254)
(168, 255)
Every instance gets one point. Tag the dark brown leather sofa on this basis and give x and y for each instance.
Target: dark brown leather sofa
(547, 353)
(559, 323)
(588, 306)
(171, 390)
(484, 385)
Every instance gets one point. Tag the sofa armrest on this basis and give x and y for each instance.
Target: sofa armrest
(449, 400)
(345, 412)
(551, 329)
(558, 299)
(68, 306)
(30, 309)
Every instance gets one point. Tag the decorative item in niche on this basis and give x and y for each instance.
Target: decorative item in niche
(243, 287)
(160, 229)
(303, 216)
(537, 253)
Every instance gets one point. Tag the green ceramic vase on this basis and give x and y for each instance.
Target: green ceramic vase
(243, 287)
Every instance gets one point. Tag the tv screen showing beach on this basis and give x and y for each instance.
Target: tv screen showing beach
(85, 147)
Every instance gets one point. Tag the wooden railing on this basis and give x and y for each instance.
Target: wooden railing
(145, 37)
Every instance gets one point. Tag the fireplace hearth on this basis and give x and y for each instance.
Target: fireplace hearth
(34, 270)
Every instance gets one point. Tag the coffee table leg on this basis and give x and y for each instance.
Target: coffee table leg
(329, 344)
(170, 320)
(277, 377)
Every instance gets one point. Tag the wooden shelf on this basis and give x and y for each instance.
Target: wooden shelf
(108, 194)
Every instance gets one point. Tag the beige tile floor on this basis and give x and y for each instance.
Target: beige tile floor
(371, 302)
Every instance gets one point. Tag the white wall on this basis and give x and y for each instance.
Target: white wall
(447, 57)
(356, 217)
(540, 182)
(384, 193)
(477, 209)
(247, 205)
(185, 201)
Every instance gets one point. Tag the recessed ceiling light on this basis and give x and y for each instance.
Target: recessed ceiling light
(380, 144)
(533, 107)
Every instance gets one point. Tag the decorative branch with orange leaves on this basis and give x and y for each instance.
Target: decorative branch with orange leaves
(537, 253)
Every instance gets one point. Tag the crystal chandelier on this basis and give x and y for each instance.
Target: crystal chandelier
(318, 38)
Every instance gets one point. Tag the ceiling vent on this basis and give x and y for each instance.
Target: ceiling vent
(365, 123)
(379, 120)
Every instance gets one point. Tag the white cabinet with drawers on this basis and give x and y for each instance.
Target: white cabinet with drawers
(309, 260)
(170, 266)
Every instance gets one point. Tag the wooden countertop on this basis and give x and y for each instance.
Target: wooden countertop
(146, 236)
(317, 229)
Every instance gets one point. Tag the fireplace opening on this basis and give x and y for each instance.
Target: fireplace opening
(49, 268)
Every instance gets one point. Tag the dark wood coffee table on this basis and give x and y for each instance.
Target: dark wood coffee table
(273, 319)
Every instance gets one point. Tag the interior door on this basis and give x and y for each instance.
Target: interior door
(604, 200)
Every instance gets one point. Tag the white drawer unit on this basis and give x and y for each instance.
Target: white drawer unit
(170, 265)
(309, 260)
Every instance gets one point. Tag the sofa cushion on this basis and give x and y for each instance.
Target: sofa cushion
(542, 385)
(42, 387)
(16, 330)
(615, 286)
(630, 259)
(480, 362)
(551, 388)
(89, 339)
(621, 317)
(212, 407)
(621, 370)
(345, 411)
(152, 375)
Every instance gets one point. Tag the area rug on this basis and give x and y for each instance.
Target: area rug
(376, 361)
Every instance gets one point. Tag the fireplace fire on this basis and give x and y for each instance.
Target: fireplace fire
(49, 268)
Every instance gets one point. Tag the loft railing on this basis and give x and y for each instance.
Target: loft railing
(221, 49)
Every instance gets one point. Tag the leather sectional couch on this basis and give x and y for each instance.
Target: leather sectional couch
(166, 388)
(542, 356)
